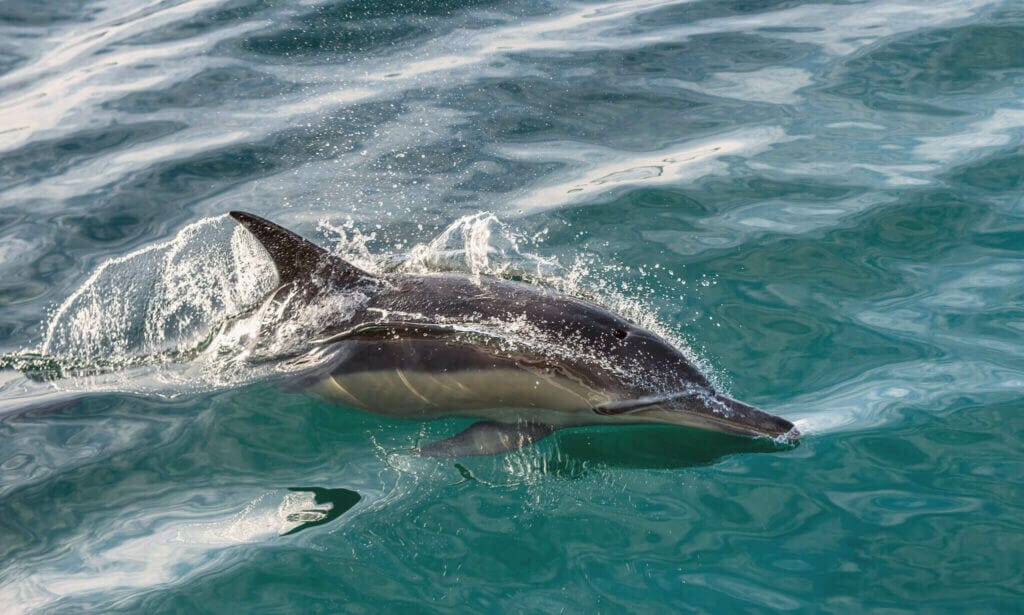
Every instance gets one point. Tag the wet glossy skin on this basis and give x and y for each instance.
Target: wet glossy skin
(582, 365)
(437, 345)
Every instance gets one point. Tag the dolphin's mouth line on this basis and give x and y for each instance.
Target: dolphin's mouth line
(739, 428)
(743, 420)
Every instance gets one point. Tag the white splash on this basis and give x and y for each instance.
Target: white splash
(478, 244)
(162, 297)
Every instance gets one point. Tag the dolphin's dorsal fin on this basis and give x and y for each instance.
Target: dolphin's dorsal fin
(297, 259)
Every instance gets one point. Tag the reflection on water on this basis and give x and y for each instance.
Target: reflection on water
(656, 447)
(821, 199)
(155, 548)
(326, 506)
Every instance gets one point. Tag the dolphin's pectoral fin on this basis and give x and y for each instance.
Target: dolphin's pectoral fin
(488, 438)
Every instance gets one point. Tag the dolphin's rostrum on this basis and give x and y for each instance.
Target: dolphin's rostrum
(526, 359)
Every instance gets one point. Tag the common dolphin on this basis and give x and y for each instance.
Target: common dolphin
(427, 346)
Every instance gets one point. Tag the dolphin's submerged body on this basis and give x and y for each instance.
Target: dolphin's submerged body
(427, 346)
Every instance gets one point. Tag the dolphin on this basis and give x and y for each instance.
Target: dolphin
(524, 359)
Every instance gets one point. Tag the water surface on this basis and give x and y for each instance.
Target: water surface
(823, 201)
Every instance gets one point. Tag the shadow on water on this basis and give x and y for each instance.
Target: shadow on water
(653, 447)
(339, 500)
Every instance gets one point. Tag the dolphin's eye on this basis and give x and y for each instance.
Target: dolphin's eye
(620, 333)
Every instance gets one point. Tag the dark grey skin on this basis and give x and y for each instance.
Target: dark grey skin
(527, 359)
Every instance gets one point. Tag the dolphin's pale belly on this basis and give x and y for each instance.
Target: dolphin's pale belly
(420, 379)
(504, 394)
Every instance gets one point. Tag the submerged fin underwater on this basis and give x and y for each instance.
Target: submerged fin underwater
(669, 305)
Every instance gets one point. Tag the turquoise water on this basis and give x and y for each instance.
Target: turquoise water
(824, 202)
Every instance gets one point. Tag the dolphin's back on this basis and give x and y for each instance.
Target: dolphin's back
(463, 298)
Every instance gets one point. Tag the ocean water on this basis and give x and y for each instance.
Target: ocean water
(822, 201)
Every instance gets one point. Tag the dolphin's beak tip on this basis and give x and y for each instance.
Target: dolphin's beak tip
(790, 437)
